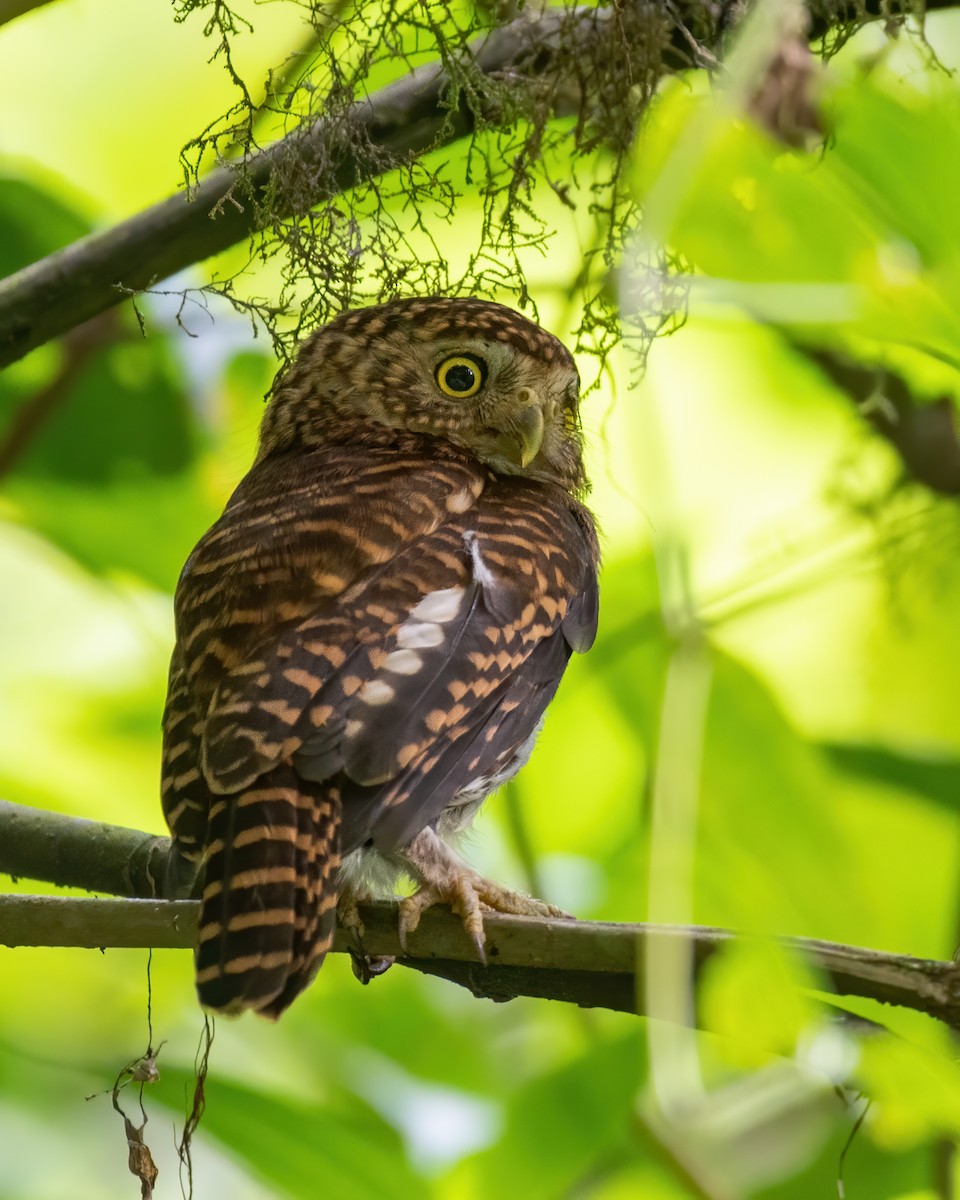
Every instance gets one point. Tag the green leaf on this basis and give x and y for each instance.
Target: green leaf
(126, 417)
(872, 216)
(916, 1093)
(563, 1123)
(932, 776)
(145, 528)
(33, 223)
(339, 1147)
(756, 994)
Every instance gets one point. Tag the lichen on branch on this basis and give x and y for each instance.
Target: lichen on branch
(379, 132)
(509, 147)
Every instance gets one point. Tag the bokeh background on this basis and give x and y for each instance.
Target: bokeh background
(779, 636)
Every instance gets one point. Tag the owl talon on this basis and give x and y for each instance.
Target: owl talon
(348, 914)
(448, 880)
(412, 909)
(368, 966)
(364, 966)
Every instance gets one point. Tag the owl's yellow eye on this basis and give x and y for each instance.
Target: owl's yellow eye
(461, 376)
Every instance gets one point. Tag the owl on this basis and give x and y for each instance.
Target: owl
(368, 638)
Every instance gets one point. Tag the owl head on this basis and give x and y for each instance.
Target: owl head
(473, 373)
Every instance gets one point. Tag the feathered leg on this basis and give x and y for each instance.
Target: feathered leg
(446, 879)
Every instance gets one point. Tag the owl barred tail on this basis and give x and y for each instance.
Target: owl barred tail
(270, 895)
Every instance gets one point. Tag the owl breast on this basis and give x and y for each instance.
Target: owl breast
(376, 873)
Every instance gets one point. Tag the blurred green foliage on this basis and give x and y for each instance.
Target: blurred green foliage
(750, 519)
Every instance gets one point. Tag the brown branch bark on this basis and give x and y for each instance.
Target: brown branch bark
(925, 434)
(590, 963)
(75, 852)
(399, 122)
(11, 9)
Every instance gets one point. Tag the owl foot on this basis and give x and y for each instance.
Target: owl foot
(368, 966)
(447, 880)
(348, 913)
(364, 966)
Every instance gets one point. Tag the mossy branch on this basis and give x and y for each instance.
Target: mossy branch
(393, 126)
(590, 963)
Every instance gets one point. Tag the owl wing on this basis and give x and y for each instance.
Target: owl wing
(386, 631)
(495, 602)
(503, 590)
(259, 632)
(266, 607)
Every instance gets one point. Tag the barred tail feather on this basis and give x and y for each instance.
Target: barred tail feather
(269, 886)
(317, 921)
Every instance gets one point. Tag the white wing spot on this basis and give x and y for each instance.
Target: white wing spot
(376, 692)
(481, 572)
(442, 605)
(416, 635)
(403, 662)
(460, 501)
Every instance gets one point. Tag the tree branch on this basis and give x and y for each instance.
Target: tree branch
(11, 9)
(75, 852)
(397, 124)
(925, 434)
(591, 963)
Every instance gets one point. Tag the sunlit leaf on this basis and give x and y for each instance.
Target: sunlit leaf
(144, 528)
(871, 219)
(753, 994)
(917, 1094)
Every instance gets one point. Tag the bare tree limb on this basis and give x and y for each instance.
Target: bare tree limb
(75, 852)
(399, 123)
(11, 9)
(590, 963)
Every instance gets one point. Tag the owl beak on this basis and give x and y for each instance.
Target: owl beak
(527, 427)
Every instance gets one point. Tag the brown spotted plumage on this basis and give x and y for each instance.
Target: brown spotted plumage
(369, 636)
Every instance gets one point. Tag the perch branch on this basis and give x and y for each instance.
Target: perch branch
(397, 124)
(590, 963)
(75, 852)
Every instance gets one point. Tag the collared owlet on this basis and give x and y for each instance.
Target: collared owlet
(369, 636)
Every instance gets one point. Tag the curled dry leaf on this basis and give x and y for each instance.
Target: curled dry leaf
(139, 1159)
